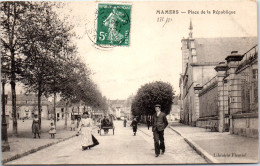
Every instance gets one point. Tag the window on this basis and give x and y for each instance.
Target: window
(255, 73)
(192, 44)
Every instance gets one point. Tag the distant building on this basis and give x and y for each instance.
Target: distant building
(27, 106)
(61, 110)
(174, 114)
(120, 108)
(116, 107)
(75, 110)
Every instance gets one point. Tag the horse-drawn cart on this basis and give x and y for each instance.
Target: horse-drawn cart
(107, 124)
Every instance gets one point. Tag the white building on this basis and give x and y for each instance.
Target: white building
(27, 106)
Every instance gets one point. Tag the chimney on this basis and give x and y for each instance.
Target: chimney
(234, 56)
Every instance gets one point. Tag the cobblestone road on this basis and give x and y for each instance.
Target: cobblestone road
(121, 148)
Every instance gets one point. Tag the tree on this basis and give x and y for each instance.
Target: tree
(13, 16)
(134, 108)
(38, 47)
(150, 94)
(45, 46)
(73, 73)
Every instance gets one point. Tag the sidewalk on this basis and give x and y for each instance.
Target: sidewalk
(25, 127)
(23, 146)
(218, 147)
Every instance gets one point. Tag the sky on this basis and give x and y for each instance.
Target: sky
(154, 53)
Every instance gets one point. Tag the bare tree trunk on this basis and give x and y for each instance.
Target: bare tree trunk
(73, 112)
(66, 111)
(13, 66)
(39, 105)
(54, 109)
(13, 78)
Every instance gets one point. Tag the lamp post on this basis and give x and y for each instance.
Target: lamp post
(5, 144)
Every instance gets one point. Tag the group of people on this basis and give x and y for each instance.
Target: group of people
(85, 126)
(74, 123)
(36, 127)
(158, 122)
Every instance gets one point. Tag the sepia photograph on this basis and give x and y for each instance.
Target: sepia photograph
(129, 82)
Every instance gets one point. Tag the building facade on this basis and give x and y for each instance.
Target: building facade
(117, 108)
(120, 108)
(27, 106)
(199, 81)
(230, 100)
(75, 110)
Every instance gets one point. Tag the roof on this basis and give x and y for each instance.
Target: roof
(117, 102)
(30, 97)
(61, 103)
(217, 49)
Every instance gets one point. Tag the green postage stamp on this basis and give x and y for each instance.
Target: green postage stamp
(113, 24)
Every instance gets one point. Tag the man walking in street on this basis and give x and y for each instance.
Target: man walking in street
(134, 125)
(148, 121)
(159, 123)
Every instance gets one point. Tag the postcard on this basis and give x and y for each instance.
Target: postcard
(129, 82)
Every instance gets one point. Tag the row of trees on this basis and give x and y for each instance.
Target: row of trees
(37, 49)
(151, 94)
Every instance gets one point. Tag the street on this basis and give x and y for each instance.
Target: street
(81, 66)
(121, 148)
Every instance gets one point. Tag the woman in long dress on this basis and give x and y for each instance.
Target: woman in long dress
(36, 126)
(85, 126)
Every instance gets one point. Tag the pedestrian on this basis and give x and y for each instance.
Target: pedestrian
(52, 131)
(134, 125)
(148, 121)
(85, 127)
(105, 122)
(36, 126)
(159, 123)
(73, 124)
(99, 124)
(125, 121)
(78, 120)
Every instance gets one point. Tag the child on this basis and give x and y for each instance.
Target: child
(98, 124)
(52, 130)
(72, 125)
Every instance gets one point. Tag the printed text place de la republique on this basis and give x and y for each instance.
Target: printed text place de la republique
(215, 12)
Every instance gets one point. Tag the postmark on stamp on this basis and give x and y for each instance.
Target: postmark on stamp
(113, 24)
